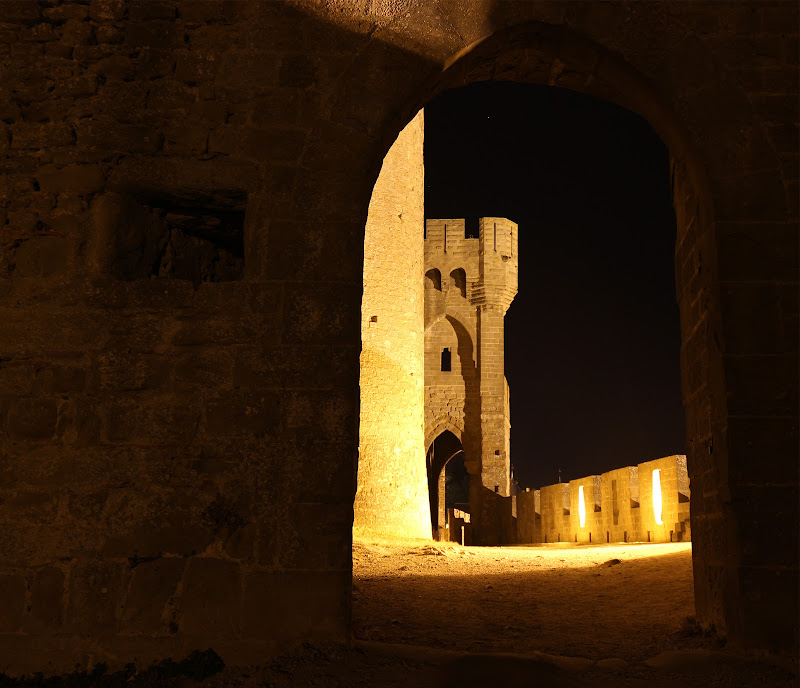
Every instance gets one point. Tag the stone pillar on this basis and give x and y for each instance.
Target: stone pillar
(492, 296)
(392, 492)
(495, 462)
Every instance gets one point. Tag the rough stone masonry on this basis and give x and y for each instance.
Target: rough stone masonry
(184, 188)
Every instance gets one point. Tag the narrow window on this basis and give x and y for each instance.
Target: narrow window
(446, 360)
(495, 237)
(497, 489)
(445, 237)
(657, 497)
(433, 279)
(459, 278)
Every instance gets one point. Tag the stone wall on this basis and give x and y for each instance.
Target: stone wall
(392, 494)
(618, 507)
(212, 425)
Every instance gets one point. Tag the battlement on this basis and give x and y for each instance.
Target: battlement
(448, 236)
(500, 236)
(497, 235)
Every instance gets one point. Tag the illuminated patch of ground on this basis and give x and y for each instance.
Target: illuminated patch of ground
(626, 601)
(419, 606)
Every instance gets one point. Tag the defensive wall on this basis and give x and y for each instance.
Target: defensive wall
(178, 438)
(644, 503)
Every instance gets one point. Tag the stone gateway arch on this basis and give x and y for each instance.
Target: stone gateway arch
(185, 187)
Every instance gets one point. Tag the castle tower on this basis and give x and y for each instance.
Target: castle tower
(469, 285)
(392, 489)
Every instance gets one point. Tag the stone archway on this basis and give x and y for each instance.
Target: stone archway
(534, 52)
(444, 448)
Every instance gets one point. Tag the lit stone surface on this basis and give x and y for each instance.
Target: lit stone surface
(469, 285)
(392, 494)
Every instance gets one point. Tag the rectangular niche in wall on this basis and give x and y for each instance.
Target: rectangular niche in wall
(200, 245)
(196, 239)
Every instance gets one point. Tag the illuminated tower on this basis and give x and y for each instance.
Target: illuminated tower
(469, 285)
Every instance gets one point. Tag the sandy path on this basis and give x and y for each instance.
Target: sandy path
(557, 599)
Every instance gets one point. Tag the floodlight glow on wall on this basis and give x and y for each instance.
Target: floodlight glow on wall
(657, 496)
(581, 507)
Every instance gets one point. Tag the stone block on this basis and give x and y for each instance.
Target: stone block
(322, 314)
(185, 140)
(109, 136)
(762, 385)
(154, 63)
(39, 136)
(12, 602)
(154, 33)
(58, 379)
(95, 593)
(151, 421)
(114, 67)
(21, 11)
(125, 370)
(759, 509)
(108, 33)
(241, 543)
(80, 179)
(44, 257)
(47, 598)
(758, 251)
(152, 586)
(151, 9)
(107, 10)
(243, 414)
(769, 608)
(31, 506)
(87, 507)
(785, 137)
(298, 71)
(300, 366)
(211, 600)
(196, 332)
(192, 68)
(76, 87)
(323, 538)
(756, 197)
(203, 369)
(173, 534)
(297, 604)
(753, 318)
(62, 13)
(77, 32)
(32, 419)
(326, 249)
(333, 415)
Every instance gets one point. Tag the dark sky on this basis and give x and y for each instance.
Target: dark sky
(592, 338)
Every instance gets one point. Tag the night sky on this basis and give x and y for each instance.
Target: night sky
(592, 338)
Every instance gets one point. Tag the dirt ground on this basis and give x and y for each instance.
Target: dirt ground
(626, 601)
(436, 615)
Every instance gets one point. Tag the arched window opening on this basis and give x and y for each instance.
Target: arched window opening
(433, 279)
(446, 360)
(459, 278)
